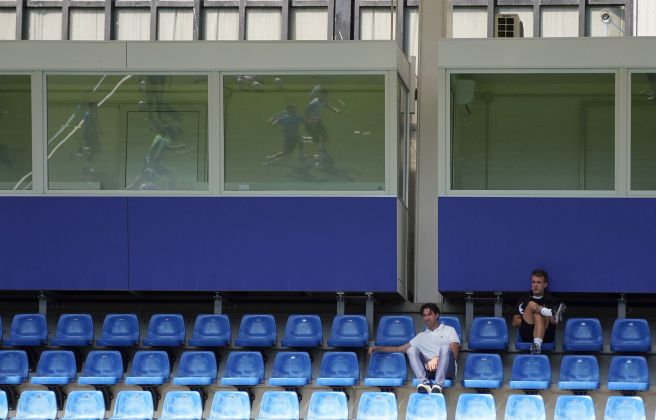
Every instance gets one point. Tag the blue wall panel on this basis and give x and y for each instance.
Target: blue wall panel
(263, 243)
(66, 243)
(586, 244)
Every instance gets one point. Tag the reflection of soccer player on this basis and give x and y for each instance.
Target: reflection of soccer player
(289, 121)
(153, 166)
(91, 135)
(313, 123)
(4, 155)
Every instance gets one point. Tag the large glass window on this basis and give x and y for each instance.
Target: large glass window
(304, 132)
(532, 131)
(15, 133)
(643, 127)
(116, 132)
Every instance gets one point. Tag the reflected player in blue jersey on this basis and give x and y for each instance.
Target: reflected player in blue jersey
(290, 122)
(91, 134)
(314, 124)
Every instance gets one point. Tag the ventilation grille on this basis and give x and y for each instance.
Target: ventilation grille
(508, 26)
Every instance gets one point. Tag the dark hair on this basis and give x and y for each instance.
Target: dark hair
(433, 307)
(539, 272)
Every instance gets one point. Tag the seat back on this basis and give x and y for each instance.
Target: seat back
(37, 405)
(14, 367)
(182, 405)
(121, 326)
(257, 331)
(476, 407)
(29, 326)
(279, 405)
(197, 364)
(340, 364)
(578, 372)
(395, 330)
(488, 333)
(522, 407)
(628, 373)
(133, 405)
(58, 363)
(85, 405)
(150, 363)
(303, 331)
(483, 370)
(77, 327)
(245, 364)
(103, 363)
(349, 331)
(166, 326)
(531, 368)
(230, 405)
(214, 327)
(426, 407)
(387, 365)
(292, 364)
(377, 406)
(4, 405)
(631, 334)
(325, 405)
(452, 321)
(578, 407)
(625, 408)
(583, 334)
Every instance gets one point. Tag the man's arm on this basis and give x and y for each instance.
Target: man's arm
(389, 349)
(455, 348)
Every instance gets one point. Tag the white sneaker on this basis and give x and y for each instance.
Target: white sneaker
(424, 388)
(436, 389)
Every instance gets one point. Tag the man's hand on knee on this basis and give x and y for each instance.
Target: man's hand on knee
(431, 365)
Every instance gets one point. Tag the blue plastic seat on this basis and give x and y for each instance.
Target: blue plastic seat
(165, 330)
(56, 367)
(14, 368)
(628, 373)
(243, 368)
(133, 405)
(119, 330)
(583, 334)
(279, 405)
(349, 331)
(291, 369)
(339, 369)
(303, 331)
(578, 407)
(483, 371)
(530, 372)
(625, 408)
(526, 346)
(579, 372)
(211, 331)
(84, 405)
(395, 330)
(149, 368)
(488, 333)
(182, 405)
(386, 370)
(476, 407)
(27, 330)
(426, 407)
(452, 321)
(4, 405)
(327, 405)
(230, 405)
(377, 406)
(525, 407)
(196, 368)
(257, 331)
(40, 405)
(73, 330)
(102, 367)
(631, 335)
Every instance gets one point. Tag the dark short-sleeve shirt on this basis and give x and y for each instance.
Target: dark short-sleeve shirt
(547, 300)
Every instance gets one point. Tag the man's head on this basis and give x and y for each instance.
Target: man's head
(539, 282)
(430, 313)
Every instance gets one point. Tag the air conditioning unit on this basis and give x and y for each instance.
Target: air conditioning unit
(508, 26)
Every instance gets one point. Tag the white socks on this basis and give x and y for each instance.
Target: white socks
(546, 312)
(538, 341)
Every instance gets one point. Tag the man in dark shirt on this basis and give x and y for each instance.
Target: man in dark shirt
(538, 313)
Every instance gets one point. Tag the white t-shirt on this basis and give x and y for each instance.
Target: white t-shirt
(428, 342)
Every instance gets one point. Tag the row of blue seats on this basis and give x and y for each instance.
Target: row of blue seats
(274, 405)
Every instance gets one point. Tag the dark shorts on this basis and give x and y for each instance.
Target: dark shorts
(526, 332)
(290, 143)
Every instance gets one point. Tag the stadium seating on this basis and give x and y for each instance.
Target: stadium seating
(579, 407)
(525, 407)
(196, 368)
(40, 405)
(230, 405)
(426, 407)
(133, 405)
(583, 334)
(182, 405)
(165, 330)
(452, 321)
(303, 331)
(149, 368)
(73, 330)
(211, 331)
(27, 330)
(56, 367)
(488, 333)
(483, 371)
(257, 331)
(377, 406)
(244, 368)
(349, 331)
(14, 368)
(579, 372)
(119, 330)
(84, 405)
(325, 405)
(102, 367)
(630, 335)
(339, 369)
(530, 372)
(386, 370)
(628, 373)
(279, 405)
(476, 407)
(526, 346)
(291, 369)
(4, 405)
(625, 408)
(395, 330)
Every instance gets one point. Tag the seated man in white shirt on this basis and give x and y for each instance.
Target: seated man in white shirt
(432, 350)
